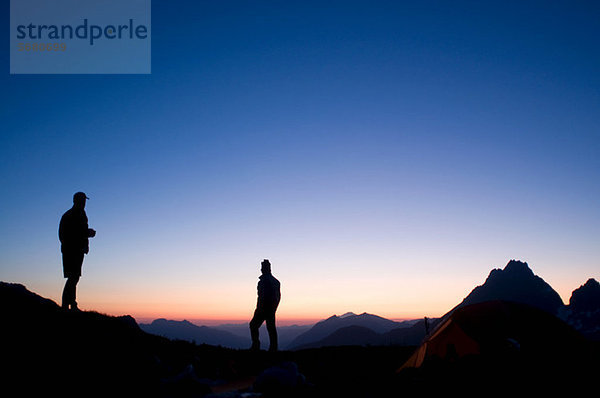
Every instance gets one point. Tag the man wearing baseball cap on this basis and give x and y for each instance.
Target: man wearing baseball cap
(73, 233)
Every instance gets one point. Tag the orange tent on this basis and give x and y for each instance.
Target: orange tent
(495, 327)
(448, 340)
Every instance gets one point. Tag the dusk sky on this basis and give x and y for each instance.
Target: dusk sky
(384, 155)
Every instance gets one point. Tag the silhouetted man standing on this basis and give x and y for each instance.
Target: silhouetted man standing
(269, 295)
(73, 233)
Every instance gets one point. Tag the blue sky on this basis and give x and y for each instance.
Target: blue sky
(385, 155)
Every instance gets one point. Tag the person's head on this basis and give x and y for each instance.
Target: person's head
(79, 200)
(265, 266)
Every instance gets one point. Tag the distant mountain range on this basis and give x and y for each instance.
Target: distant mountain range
(185, 330)
(347, 329)
(285, 334)
(516, 283)
(227, 335)
(409, 334)
(47, 350)
(368, 329)
(328, 326)
(347, 335)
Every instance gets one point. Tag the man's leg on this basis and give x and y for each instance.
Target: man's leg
(255, 323)
(273, 344)
(66, 294)
(72, 262)
(70, 293)
(74, 294)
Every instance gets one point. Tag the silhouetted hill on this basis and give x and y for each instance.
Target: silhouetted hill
(49, 348)
(185, 330)
(516, 282)
(328, 326)
(47, 351)
(349, 335)
(363, 336)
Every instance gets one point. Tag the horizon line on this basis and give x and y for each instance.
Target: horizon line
(288, 321)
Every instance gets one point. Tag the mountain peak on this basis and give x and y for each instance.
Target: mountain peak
(517, 267)
(586, 297)
(516, 282)
(592, 283)
(327, 326)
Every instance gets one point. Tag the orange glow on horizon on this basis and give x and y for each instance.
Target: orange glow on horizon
(146, 314)
(397, 297)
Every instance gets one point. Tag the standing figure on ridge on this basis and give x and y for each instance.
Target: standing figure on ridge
(269, 295)
(73, 233)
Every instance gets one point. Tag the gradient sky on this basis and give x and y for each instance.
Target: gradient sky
(385, 155)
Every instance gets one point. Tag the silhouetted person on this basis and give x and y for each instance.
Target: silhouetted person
(269, 295)
(73, 233)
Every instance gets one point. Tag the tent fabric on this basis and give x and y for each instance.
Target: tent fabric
(451, 342)
(493, 327)
(448, 341)
(416, 359)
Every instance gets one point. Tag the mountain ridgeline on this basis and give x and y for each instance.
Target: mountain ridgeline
(324, 328)
(226, 335)
(513, 322)
(185, 330)
(583, 311)
(515, 283)
(347, 329)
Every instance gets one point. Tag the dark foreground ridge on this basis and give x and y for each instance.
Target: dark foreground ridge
(48, 351)
(52, 351)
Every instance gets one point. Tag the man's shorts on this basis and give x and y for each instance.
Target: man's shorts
(72, 263)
